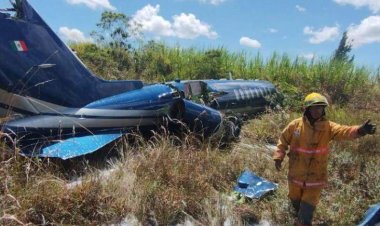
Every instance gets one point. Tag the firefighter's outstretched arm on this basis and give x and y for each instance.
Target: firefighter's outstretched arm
(367, 128)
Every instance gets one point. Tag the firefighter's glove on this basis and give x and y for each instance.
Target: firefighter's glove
(277, 164)
(367, 128)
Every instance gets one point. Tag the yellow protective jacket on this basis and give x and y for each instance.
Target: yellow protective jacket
(309, 149)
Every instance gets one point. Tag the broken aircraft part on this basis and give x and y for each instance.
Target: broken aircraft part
(252, 186)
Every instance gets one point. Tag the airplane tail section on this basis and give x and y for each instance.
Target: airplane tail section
(34, 62)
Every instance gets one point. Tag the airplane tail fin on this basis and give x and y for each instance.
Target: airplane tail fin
(34, 62)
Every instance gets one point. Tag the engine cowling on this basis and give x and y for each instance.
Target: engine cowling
(202, 120)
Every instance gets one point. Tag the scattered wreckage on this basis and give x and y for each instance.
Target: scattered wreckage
(252, 186)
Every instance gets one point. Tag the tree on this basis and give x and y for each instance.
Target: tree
(113, 34)
(344, 48)
(113, 30)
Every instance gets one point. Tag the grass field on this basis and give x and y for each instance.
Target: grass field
(173, 181)
(188, 181)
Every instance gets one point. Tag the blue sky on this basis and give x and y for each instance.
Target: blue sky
(304, 28)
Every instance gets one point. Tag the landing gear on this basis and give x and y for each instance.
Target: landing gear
(232, 128)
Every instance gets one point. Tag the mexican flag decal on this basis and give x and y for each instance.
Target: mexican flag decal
(19, 46)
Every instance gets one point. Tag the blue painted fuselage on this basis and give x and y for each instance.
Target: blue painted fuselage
(231, 96)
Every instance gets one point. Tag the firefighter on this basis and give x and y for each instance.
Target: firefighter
(308, 140)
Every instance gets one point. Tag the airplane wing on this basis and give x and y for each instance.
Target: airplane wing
(75, 146)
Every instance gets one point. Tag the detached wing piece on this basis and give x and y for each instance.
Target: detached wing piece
(253, 186)
(372, 216)
(75, 146)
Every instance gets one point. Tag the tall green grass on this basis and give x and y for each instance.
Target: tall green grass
(157, 62)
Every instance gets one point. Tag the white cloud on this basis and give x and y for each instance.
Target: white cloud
(214, 2)
(368, 31)
(273, 30)
(150, 21)
(245, 41)
(73, 35)
(321, 35)
(189, 27)
(373, 5)
(185, 26)
(300, 8)
(93, 4)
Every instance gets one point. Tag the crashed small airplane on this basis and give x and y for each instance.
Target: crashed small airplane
(55, 107)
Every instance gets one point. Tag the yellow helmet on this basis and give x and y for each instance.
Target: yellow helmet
(314, 99)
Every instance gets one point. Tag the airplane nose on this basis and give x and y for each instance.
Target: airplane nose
(197, 118)
(203, 120)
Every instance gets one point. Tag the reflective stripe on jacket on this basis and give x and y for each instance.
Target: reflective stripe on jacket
(309, 149)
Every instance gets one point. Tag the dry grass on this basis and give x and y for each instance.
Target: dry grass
(172, 181)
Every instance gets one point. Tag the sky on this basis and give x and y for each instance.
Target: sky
(299, 28)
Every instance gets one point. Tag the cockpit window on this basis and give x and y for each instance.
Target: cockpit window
(196, 91)
(192, 89)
